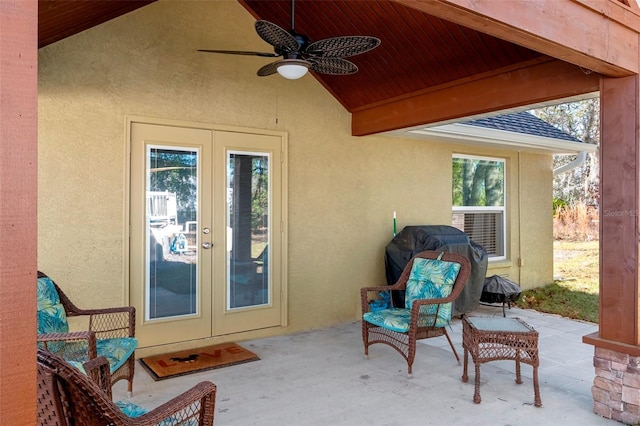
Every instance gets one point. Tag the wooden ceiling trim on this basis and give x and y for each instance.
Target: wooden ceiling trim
(572, 32)
(534, 84)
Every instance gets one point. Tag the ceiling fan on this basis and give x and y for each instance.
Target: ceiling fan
(299, 54)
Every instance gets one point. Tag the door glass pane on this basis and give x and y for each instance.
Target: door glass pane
(171, 237)
(248, 218)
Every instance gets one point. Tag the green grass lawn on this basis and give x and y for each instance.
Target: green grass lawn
(574, 293)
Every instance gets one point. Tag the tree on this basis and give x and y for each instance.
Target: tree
(175, 171)
(582, 121)
(478, 182)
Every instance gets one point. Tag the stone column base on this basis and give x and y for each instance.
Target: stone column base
(616, 387)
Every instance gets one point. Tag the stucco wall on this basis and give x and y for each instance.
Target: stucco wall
(536, 215)
(342, 190)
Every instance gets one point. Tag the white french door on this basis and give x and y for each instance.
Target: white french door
(205, 228)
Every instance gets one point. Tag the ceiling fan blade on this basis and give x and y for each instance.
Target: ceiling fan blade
(332, 66)
(268, 69)
(240, 52)
(342, 47)
(280, 39)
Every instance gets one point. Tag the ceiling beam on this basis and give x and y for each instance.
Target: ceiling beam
(537, 83)
(600, 36)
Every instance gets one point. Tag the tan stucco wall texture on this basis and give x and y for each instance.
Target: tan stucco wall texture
(342, 189)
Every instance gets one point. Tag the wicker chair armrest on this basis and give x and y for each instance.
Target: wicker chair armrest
(101, 311)
(88, 336)
(364, 291)
(99, 370)
(367, 294)
(110, 322)
(425, 302)
(397, 286)
(72, 335)
(181, 408)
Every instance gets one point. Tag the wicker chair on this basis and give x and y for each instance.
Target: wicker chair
(66, 397)
(432, 281)
(111, 331)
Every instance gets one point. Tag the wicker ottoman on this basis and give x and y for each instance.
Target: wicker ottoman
(495, 338)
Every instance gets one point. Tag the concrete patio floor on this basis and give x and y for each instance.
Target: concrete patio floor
(321, 377)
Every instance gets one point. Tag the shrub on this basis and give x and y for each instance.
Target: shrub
(558, 203)
(576, 222)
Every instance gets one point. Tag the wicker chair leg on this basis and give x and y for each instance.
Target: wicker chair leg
(411, 355)
(365, 339)
(465, 376)
(132, 366)
(452, 347)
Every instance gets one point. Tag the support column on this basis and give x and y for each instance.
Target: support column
(18, 223)
(616, 388)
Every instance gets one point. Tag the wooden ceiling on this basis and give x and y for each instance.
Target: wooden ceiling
(58, 19)
(420, 53)
(417, 50)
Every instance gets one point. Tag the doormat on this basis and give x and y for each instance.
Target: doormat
(196, 360)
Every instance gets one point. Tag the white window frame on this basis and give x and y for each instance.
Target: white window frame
(501, 241)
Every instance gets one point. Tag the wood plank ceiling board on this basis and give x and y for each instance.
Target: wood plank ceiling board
(417, 49)
(58, 19)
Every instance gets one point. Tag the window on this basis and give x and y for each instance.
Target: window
(479, 201)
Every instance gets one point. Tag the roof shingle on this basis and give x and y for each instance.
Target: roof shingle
(522, 122)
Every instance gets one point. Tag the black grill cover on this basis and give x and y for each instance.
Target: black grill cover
(414, 239)
(498, 289)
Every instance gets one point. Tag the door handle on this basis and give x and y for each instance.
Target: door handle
(207, 245)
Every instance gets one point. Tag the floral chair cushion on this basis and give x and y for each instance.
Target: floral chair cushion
(429, 279)
(51, 315)
(132, 410)
(432, 279)
(396, 319)
(116, 350)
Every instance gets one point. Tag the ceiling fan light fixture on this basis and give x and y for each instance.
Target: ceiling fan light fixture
(293, 69)
(299, 55)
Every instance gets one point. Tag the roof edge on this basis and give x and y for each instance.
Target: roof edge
(465, 133)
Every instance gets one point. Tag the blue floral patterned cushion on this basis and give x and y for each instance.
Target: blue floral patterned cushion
(432, 279)
(396, 319)
(116, 350)
(78, 365)
(132, 410)
(51, 316)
